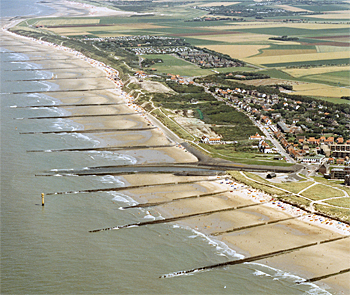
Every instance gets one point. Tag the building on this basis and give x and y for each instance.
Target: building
(340, 173)
(324, 169)
(257, 136)
(283, 127)
(313, 160)
(347, 180)
(208, 140)
(340, 150)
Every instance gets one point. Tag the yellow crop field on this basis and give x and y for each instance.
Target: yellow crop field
(333, 15)
(270, 81)
(309, 26)
(275, 52)
(314, 71)
(235, 38)
(237, 51)
(217, 4)
(62, 22)
(298, 57)
(291, 8)
(315, 89)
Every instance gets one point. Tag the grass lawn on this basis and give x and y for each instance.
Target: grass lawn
(229, 153)
(343, 202)
(270, 190)
(293, 187)
(332, 183)
(176, 66)
(320, 191)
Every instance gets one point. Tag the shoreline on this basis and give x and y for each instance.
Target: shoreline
(201, 226)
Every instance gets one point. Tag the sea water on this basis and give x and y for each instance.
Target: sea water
(50, 250)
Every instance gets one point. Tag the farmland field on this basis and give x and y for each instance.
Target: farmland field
(315, 71)
(176, 66)
(217, 4)
(65, 21)
(287, 59)
(320, 90)
(341, 78)
(276, 52)
(323, 39)
(237, 51)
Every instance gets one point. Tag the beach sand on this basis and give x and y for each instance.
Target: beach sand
(309, 262)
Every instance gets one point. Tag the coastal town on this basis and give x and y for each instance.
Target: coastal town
(170, 151)
(293, 134)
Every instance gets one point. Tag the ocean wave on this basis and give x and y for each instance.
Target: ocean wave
(277, 274)
(19, 56)
(112, 179)
(149, 216)
(118, 197)
(84, 137)
(48, 86)
(64, 124)
(114, 156)
(221, 248)
(44, 99)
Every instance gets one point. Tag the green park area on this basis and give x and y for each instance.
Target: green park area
(326, 197)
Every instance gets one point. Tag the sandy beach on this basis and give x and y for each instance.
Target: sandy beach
(313, 261)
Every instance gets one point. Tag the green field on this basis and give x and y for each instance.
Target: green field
(176, 66)
(238, 69)
(229, 152)
(341, 61)
(327, 7)
(341, 78)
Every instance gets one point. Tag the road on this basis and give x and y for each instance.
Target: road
(266, 132)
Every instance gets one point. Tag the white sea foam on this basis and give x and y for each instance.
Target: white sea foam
(114, 156)
(48, 86)
(84, 137)
(261, 273)
(44, 99)
(149, 216)
(64, 124)
(278, 274)
(111, 179)
(118, 197)
(221, 248)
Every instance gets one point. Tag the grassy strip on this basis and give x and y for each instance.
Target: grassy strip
(332, 183)
(172, 125)
(320, 191)
(340, 213)
(342, 202)
(337, 213)
(229, 152)
(294, 187)
(269, 190)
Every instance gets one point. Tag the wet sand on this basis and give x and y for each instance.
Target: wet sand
(309, 262)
